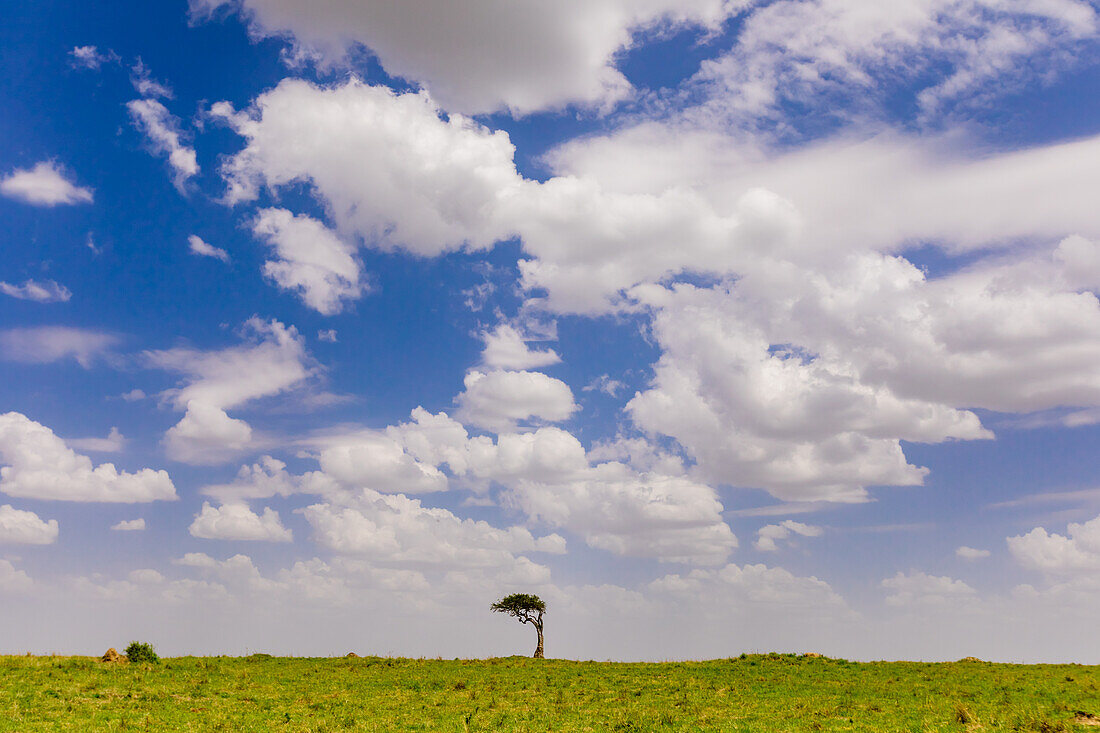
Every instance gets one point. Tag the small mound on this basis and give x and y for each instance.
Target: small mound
(812, 655)
(970, 659)
(111, 655)
(351, 655)
(1087, 719)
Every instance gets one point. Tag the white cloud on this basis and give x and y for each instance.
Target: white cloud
(162, 129)
(134, 395)
(261, 480)
(130, 525)
(604, 383)
(328, 335)
(54, 343)
(1075, 553)
(25, 528)
(12, 580)
(310, 260)
(547, 475)
(115, 442)
(204, 249)
(815, 52)
(46, 184)
(90, 57)
(145, 576)
(879, 190)
(801, 425)
(48, 291)
(397, 529)
(434, 184)
(506, 348)
(971, 553)
(144, 83)
(38, 465)
(768, 536)
(273, 360)
(805, 374)
(376, 461)
(614, 508)
(235, 521)
(483, 55)
(207, 435)
(497, 400)
(916, 588)
(736, 586)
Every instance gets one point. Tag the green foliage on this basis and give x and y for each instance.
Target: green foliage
(140, 652)
(758, 693)
(519, 603)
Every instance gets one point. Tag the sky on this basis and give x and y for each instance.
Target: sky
(721, 325)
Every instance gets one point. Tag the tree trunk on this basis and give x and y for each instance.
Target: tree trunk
(538, 649)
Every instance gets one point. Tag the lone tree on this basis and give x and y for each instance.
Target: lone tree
(528, 609)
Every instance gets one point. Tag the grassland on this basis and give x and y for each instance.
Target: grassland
(752, 693)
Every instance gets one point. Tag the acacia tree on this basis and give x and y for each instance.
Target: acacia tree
(528, 609)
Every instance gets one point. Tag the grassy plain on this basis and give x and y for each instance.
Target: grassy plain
(751, 693)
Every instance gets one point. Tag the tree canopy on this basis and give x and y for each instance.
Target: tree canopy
(528, 609)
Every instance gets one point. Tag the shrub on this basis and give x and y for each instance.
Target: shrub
(140, 652)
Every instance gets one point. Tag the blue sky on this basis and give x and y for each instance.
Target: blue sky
(721, 325)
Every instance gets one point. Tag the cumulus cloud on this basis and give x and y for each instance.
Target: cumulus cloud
(379, 462)
(129, 525)
(398, 529)
(769, 536)
(12, 580)
(311, 260)
(800, 424)
(46, 184)
(1076, 552)
(506, 348)
(499, 399)
(54, 343)
(145, 576)
(204, 249)
(261, 480)
(206, 435)
(482, 56)
(433, 184)
(162, 129)
(916, 588)
(272, 360)
(25, 528)
(548, 475)
(971, 553)
(47, 291)
(38, 465)
(115, 442)
(235, 521)
(821, 350)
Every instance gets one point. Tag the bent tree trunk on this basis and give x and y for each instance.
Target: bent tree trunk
(538, 649)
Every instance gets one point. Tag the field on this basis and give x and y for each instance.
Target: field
(750, 693)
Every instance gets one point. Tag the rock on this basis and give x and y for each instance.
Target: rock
(352, 655)
(112, 656)
(970, 659)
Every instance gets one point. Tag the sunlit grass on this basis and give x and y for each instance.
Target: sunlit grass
(752, 693)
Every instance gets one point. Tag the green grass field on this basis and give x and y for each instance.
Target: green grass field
(751, 693)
